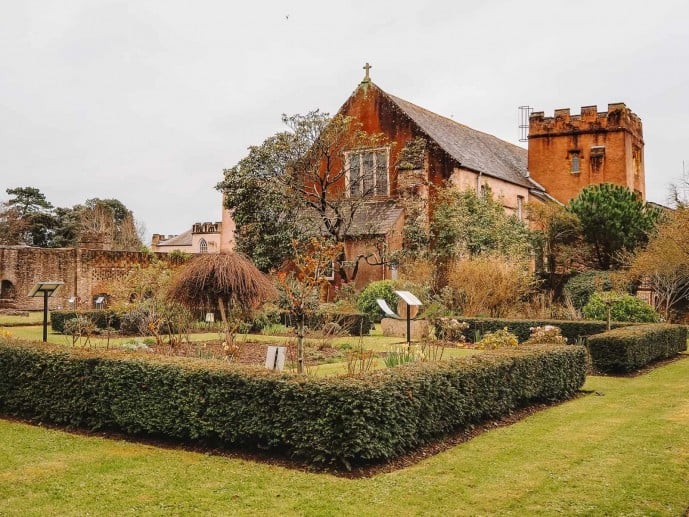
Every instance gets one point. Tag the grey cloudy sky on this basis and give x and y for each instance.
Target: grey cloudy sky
(147, 101)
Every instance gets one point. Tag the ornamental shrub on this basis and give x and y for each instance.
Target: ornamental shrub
(451, 329)
(489, 285)
(80, 326)
(502, 338)
(546, 334)
(623, 307)
(353, 324)
(573, 330)
(580, 287)
(102, 318)
(366, 301)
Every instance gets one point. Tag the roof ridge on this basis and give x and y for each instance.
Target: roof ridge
(433, 113)
(470, 148)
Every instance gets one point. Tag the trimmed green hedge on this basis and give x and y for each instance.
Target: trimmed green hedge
(630, 348)
(102, 319)
(571, 329)
(349, 420)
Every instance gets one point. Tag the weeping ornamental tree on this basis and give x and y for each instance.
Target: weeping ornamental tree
(228, 281)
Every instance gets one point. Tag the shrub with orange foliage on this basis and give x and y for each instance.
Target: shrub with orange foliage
(490, 285)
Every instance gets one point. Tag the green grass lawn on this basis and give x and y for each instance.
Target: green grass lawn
(376, 341)
(623, 449)
(33, 318)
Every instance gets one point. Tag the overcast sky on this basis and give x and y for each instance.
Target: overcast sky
(148, 101)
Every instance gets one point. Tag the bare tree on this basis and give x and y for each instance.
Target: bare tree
(320, 175)
(664, 263)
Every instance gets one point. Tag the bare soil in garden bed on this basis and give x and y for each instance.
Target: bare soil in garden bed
(250, 352)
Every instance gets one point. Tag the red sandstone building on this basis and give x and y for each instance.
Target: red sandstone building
(569, 152)
(565, 154)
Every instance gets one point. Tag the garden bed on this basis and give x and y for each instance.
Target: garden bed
(251, 352)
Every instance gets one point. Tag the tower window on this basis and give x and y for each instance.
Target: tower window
(636, 157)
(574, 162)
(203, 246)
(597, 151)
(597, 156)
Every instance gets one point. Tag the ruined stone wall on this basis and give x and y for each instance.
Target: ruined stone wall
(24, 267)
(570, 152)
(86, 273)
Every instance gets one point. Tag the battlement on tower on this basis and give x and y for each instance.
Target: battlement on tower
(618, 118)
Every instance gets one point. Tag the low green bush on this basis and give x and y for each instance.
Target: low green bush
(353, 324)
(623, 307)
(630, 348)
(102, 319)
(342, 420)
(366, 301)
(581, 286)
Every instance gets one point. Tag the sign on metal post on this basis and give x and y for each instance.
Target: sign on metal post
(409, 301)
(275, 358)
(45, 290)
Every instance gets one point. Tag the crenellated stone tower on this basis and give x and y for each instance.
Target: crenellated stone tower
(569, 152)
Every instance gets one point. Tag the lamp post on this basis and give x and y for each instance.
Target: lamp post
(46, 290)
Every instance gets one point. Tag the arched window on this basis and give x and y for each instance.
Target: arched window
(574, 162)
(7, 290)
(203, 246)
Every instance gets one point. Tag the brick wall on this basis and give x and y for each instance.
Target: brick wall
(608, 146)
(85, 273)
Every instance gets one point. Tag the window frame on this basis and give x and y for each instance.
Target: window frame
(203, 246)
(520, 207)
(574, 158)
(360, 154)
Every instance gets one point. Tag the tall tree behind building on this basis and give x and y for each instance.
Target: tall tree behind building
(28, 218)
(614, 220)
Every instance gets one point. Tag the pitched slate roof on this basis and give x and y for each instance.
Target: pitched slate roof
(183, 239)
(370, 218)
(472, 149)
(375, 218)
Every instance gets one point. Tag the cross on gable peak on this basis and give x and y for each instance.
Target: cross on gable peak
(367, 77)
